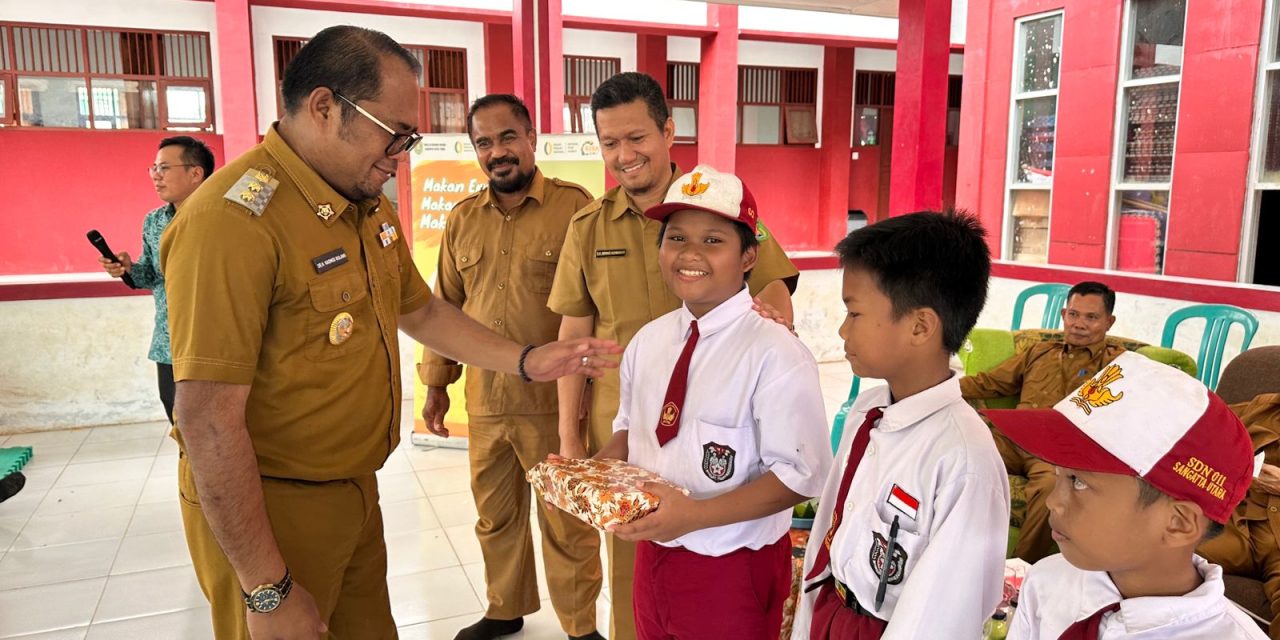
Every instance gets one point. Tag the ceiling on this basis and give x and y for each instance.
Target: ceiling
(883, 8)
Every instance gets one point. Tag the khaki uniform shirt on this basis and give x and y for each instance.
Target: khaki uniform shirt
(1262, 416)
(261, 287)
(498, 267)
(609, 270)
(1042, 375)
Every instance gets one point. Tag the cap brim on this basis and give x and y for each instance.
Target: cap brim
(1050, 436)
(660, 212)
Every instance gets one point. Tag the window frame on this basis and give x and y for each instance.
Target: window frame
(1017, 96)
(573, 101)
(684, 95)
(1268, 62)
(1120, 136)
(9, 117)
(783, 106)
(13, 75)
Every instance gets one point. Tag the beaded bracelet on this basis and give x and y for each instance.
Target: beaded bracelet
(524, 354)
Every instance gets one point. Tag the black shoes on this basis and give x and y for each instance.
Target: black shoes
(594, 635)
(11, 485)
(489, 629)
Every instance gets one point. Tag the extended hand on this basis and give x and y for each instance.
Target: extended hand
(119, 267)
(297, 617)
(1268, 479)
(568, 357)
(677, 515)
(434, 409)
(769, 312)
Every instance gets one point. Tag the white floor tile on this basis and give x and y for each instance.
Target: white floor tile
(448, 480)
(10, 527)
(51, 456)
(21, 506)
(408, 515)
(99, 496)
(40, 478)
(454, 508)
(160, 517)
(421, 458)
(135, 595)
(79, 474)
(51, 565)
(117, 450)
(138, 431)
(191, 624)
(152, 551)
(418, 551)
(60, 438)
(73, 527)
(75, 633)
(396, 463)
(465, 545)
(432, 595)
(33, 610)
(162, 489)
(398, 487)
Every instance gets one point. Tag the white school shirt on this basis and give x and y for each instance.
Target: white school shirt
(932, 463)
(1056, 594)
(753, 404)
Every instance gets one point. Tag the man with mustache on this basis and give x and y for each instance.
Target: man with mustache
(497, 261)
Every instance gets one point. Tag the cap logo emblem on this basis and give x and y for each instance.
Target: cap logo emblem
(1096, 392)
(695, 187)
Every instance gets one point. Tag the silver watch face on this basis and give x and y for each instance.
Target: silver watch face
(265, 599)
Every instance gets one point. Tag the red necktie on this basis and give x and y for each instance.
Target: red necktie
(673, 402)
(1087, 629)
(856, 451)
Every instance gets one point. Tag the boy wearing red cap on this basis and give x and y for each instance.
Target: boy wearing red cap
(1150, 464)
(727, 404)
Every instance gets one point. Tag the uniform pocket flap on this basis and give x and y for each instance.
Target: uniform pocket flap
(332, 293)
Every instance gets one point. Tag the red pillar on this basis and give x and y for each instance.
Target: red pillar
(550, 66)
(920, 105)
(238, 102)
(833, 158)
(523, 74)
(651, 57)
(498, 58)
(718, 90)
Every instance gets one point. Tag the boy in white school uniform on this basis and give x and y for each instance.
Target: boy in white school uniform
(1150, 463)
(911, 530)
(727, 404)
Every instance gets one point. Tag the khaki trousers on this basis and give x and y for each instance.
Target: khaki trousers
(502, 449)
(330, 534)
(1034, 538)
(622, 554)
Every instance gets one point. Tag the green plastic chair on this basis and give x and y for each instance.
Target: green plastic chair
(837, 425)
(1218, 320)
(1055, 299)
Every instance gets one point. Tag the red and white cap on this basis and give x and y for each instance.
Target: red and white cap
(706, 189)
(1143, 418)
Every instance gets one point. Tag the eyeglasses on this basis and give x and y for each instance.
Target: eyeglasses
(400, 142)
(161, 169)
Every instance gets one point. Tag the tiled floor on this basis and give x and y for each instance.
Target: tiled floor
(93, 546)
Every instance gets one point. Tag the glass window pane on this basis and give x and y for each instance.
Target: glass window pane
(1041, 52)
(953, 127)
(448, 113)
(1030, 212)
(569, 125)
(124, 104)
(1151, 118)
(1144, 218)
(53, 102)
(186, 105)
(1156, 33)
(868, 126)
(686, 119)
(4, 100)
(802, 125)
(1037, 124)
(760, 124)
(588, 123)
(1271, 143)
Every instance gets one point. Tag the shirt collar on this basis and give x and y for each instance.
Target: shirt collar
(720, 317)
(314, 189)
(618, 201)
(537, 191)
(1143, 614)
(912, 410)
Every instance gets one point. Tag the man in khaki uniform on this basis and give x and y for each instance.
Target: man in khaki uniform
(288, 278)
(1250, 544)
(497, 262)
(1041, 377)
(609, 285)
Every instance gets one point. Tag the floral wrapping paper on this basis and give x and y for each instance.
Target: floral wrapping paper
(600, 493)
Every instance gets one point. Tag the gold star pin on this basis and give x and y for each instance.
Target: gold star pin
(325, 211)
(247, 196)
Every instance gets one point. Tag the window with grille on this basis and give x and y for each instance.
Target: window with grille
(682, 97)
(103, 78)
(873, 93)
(443, 81)
(582, 75)
(1033, 126)
(777, 105)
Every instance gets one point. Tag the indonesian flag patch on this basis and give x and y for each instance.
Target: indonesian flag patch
(908, 504)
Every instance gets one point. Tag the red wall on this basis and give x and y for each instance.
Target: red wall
(1213, 137)
(864, 182)
(59, 184)
(784, 181)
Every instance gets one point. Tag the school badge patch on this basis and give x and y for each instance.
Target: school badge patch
(880, 555)
(717, 461)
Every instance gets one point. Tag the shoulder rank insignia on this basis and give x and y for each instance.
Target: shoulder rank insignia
(253, 190)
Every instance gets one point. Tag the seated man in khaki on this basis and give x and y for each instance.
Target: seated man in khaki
(1250, 545)
(1041, 377)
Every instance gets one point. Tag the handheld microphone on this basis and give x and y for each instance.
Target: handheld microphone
(100, 244)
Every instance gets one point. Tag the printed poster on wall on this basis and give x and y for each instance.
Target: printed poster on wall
(444, 171)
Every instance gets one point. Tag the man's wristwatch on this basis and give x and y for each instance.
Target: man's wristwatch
(268, 597)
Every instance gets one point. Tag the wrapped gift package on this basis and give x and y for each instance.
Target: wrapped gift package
(601, 493)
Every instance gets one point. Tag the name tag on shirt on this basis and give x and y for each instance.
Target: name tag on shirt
(325, 262)
(610, 253)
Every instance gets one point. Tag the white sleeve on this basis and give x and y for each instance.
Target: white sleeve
(1023, 626)
(792, 426)
(622, 421)
(957, 583)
